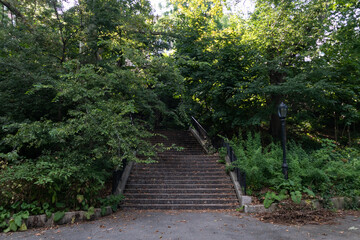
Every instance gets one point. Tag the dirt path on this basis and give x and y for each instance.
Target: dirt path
(148, 225)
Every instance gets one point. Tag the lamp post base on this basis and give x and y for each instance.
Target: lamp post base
(285, 167)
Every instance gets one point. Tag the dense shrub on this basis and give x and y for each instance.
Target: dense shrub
(54, 161)
(328, 170)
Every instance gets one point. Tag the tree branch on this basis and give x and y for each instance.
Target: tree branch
(15, 11)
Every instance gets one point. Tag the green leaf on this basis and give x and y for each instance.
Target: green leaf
(309, 192)
(12, 225)
(60, 205)
(23, 227)
(46, 205)
(25, 215)
(3, 224)
(18, 220)
(114, 207)
(296, 197)
(89, 213)
(48, 213)
(269, 199)
(80, 198)
(103, 211)
(58, 216)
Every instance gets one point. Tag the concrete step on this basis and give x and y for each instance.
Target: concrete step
(180, 169)
(187, 179)
(180, 196)
(227, 190)
(169, 143)
(189, 162)
(144, 173)
(178, 177)
(181, 201)
(186, 157)
(176, 186)
(180, 206)
(188, 170)
(181, 181)
(181, 153)
(179, 165)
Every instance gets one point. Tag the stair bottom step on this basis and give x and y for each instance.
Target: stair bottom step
(180, 201)
(180, 206)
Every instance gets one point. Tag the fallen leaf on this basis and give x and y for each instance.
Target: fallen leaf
(353, 228)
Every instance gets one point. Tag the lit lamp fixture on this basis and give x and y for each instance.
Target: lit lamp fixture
(282, 111)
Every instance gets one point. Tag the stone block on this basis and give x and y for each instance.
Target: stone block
(245, 200)
(71, 217)
(108, 211)
(39, 221)
(258, 208)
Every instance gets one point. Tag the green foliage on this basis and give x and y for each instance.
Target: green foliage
(328, 170)
(113, 201)
(95, 137)
(90, 212)
(296, 197)
(271, 197)
(58, 215)
(237, 70)
(81, 90)
(15, 222)
(4, 216)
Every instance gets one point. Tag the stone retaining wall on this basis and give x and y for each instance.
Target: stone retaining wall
(37, 221)
(339, 203)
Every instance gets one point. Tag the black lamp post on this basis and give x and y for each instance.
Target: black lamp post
(282, 111)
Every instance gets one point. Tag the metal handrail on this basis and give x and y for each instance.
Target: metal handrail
(117, 175)
(118, 172)
(241, 175)
(203, 133)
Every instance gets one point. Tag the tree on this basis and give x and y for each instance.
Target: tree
(239, 70)
(81, 90)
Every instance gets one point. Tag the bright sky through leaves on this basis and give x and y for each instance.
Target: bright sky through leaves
(243, 6)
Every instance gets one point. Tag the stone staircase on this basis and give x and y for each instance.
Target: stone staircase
(187, 179)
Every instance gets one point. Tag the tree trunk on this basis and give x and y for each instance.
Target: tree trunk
(275, 126)
(335, 127)
(275, 99)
